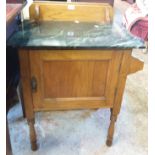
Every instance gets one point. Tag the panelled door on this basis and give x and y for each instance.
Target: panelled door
(73, 79)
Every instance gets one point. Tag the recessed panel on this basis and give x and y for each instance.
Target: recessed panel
(80, 78)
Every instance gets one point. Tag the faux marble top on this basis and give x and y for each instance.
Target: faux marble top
(74, 35)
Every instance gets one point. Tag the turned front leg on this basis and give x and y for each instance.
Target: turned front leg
(111, 130)
(32, 135)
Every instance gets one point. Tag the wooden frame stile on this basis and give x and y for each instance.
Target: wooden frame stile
(27, 95)
(123, 72)
(129, 65)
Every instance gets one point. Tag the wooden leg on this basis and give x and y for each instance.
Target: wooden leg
(124, 71)
(32, 135)
(111, 110)
(111, 129)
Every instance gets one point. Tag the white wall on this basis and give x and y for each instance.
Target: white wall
(26, 9)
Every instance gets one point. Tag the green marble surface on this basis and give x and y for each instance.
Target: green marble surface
(74, 35)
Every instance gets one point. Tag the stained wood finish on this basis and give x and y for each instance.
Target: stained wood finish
(135, 65)
(111, 130)
(32, 135)
(71, 80)
(27, 94)
(129, 65)
(25, 82)
(75, 79)
(124, 69)
(68, 75)
(60, 11)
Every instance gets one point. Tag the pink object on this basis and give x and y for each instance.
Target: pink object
(140, 29)
(12, 10)
(136, 22)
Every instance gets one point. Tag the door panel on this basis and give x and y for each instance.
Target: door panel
(84, 78)
(69, 79)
